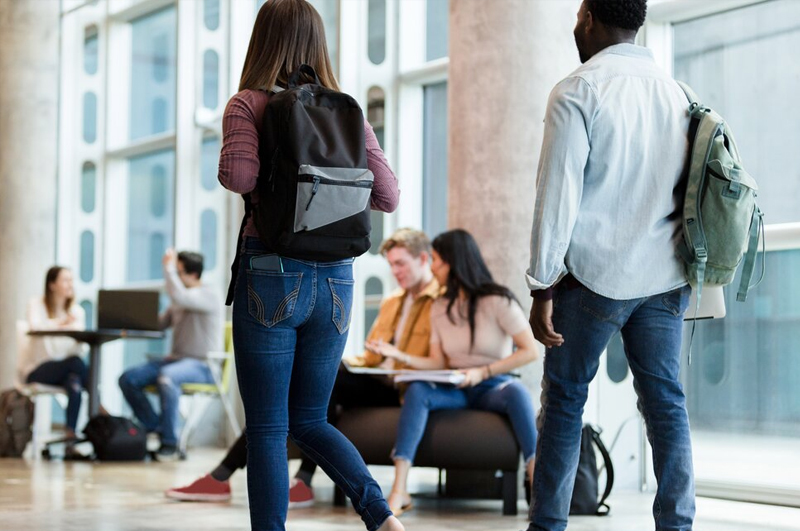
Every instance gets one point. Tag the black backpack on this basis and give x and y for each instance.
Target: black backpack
(116, 438)
(584, 495)
(314, 186)
(16, 420)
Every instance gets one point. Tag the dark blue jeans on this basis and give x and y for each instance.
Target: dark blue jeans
(500, 394)
(71, 374)
(169, 375)
(289, 332)
(651, 330)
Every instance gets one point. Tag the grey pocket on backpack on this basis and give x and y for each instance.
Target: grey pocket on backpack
(328, 195)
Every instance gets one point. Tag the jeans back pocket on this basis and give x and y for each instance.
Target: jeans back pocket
(271, 295)
(677, 300)
(602, 308)
(342, 293)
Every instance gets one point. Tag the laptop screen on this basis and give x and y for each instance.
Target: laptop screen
(127, 309)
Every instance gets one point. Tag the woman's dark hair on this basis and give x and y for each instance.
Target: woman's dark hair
(623, 14)
(49, 296)
(286, 35)
(468, 273)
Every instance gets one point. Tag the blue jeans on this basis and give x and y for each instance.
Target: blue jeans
(501, 394)
(70, 373)
(289, 332)
(169, 375)
(651, 329)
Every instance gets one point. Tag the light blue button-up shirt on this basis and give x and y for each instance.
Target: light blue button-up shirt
(607, 199)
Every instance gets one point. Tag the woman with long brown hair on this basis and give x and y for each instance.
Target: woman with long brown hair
(290, 322)
(56, 360)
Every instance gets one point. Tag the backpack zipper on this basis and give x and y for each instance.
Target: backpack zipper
(317, 180)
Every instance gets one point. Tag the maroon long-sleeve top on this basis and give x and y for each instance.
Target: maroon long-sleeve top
(239, 163)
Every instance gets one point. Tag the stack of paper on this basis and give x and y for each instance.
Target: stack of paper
(446, 377)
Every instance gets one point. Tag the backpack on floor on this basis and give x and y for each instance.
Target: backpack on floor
(116, 438)
(314, 187)
(584, 495)
(16, 422)
(721, 221)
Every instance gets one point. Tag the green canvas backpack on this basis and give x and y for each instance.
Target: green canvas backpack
(721, 220)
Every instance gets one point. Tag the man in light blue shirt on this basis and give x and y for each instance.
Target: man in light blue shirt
(606, 223)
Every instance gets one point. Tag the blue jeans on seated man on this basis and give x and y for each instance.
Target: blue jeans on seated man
(289, 332)
(501, 394)
(168, 374)
(651, 330)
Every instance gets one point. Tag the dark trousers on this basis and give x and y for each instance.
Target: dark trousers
(71, 374)
(350, 390)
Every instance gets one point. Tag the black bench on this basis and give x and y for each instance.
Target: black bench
(455, 440)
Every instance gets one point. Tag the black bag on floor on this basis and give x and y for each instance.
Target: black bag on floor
(116, 439)
(16, 420)
(584, 496)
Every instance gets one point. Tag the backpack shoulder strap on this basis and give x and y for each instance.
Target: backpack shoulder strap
(603, 508)
(691, 95)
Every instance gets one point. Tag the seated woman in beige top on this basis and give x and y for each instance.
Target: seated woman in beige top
(474, 327)
(57, 360)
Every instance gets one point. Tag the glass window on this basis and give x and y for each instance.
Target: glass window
(87, 256)
(209, 163)
(376, 234)
(374, 287)
(90, 50)
(88, 309)
(89, 117)
(742, 63)
(434, 173)
(153, 74)
(376, 103)
(151, 189)
(211, 14)
(208, 238)
(616, 361)
(88, 187)
(373, 291)
(210, 79)
(376, 31)
(438, 29)
(745, 368)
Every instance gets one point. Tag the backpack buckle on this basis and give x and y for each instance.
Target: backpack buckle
(701, 254)
(695, 109)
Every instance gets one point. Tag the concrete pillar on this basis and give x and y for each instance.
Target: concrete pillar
(505, 57)
(29, 57)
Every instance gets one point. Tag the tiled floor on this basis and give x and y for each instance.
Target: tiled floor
(45, 496)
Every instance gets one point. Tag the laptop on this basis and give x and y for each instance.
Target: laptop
(712, 304)
(127, 310)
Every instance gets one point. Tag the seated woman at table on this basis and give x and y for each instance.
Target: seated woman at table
(473, 327)
(56, 360)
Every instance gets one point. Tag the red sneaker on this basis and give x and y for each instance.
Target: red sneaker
(205, 489)
(300, 494)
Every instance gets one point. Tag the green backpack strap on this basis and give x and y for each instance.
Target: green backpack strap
(756, 230)
(694, 248)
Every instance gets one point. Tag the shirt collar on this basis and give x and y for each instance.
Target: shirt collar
(626, 49)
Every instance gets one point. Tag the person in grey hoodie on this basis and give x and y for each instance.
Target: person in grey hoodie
(195, 315)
